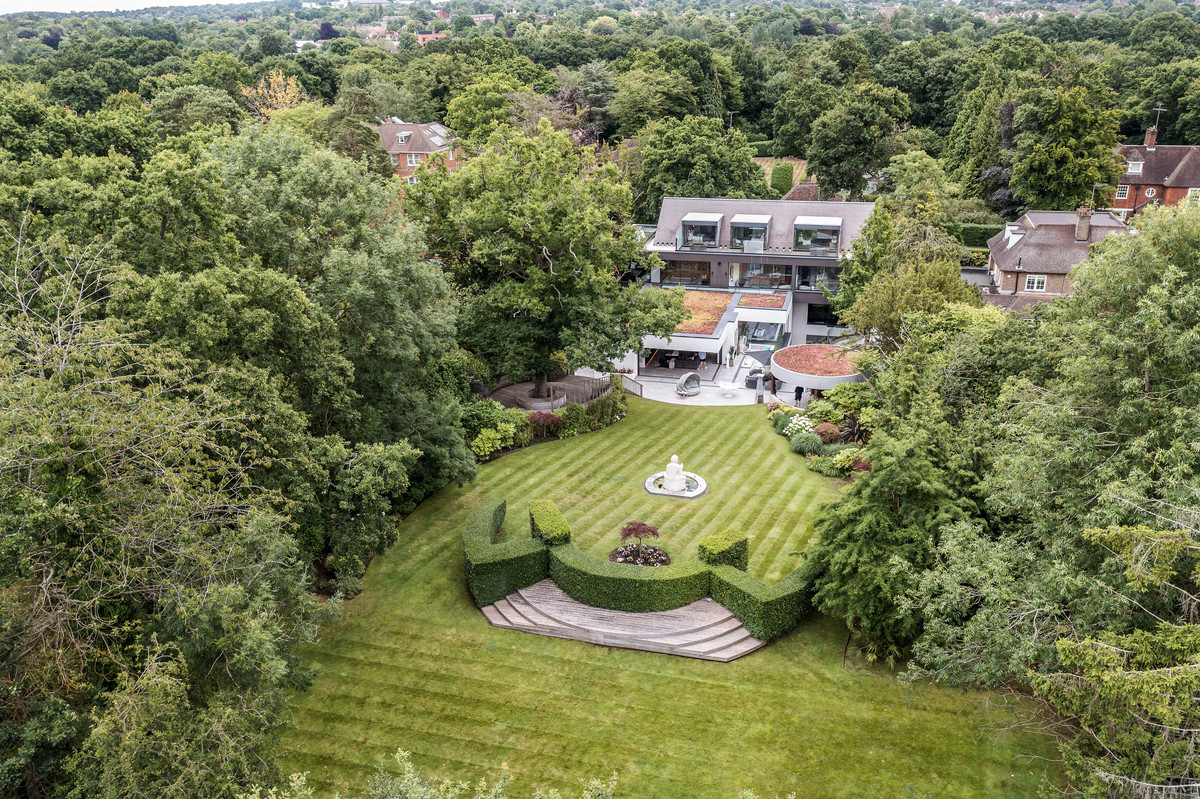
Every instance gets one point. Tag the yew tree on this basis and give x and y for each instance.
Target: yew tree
(534, 231)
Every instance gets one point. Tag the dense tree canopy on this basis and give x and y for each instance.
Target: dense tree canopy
(535, 233)
(695, 157)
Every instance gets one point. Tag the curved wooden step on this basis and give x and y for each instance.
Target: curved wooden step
(703, 629)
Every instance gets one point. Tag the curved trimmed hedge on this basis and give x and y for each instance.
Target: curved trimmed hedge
(546, 522)
(767, 611)
(726, 548)
(620, 586)
(496, 570)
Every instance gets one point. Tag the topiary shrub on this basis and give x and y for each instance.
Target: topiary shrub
(829, 433)
(977, 235)
(547, 524)
(806, 443)
(496, 570)
(783, 175)
(618, 586)
(767, 611)
(727, 548)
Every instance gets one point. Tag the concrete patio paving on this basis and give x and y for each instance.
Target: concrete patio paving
(711, 392)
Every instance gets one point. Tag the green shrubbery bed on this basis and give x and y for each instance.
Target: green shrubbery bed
(495, 570)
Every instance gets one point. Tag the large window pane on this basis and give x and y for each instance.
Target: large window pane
(817, 241)
(685, 273)
(699, 235)
(747, 238)
(765, 275)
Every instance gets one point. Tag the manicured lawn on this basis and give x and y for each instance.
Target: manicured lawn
(413, 665)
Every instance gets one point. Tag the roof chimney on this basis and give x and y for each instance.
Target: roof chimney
(1151, 137)
(1083, 223)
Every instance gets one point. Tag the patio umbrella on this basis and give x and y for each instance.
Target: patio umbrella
(762, 356)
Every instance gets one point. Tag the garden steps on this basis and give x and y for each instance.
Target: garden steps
(703, 629)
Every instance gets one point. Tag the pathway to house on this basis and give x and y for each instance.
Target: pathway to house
(703, 629)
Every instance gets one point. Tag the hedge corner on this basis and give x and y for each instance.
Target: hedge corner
(727, 548)
(547, 524)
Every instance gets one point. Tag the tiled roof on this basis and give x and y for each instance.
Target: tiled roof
(808, 192)
(1044, 241)
(1164, 165)
(422, 138)
(1016, 302)
(783, 213)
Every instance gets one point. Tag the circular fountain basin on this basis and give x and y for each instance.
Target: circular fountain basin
(696, 486)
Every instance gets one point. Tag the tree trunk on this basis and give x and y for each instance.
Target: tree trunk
(540, 390)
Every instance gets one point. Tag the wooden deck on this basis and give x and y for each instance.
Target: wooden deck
(703, 629)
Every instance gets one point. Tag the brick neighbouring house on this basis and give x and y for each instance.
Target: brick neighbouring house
(1030, 260)
(410, 144)
(1155, 174)
(427, 36)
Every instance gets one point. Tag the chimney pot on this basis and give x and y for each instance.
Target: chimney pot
(1151, 137)
(1083, 223)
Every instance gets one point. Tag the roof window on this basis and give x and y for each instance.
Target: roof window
(1135, 168)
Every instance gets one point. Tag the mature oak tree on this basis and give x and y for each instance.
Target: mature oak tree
(534, 232)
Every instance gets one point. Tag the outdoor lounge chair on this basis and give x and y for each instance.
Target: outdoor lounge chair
(688, 385)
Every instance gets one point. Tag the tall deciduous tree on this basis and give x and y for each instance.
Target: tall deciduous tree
(916, 270)
(534, 230)
(853, 141)
(318, 217)
(695, 157)
(127, 526)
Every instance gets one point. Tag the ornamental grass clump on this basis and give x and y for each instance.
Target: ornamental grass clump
(806, 444)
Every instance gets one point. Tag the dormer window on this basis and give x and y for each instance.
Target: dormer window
(402, 138)
(1135, 168)
(748, 232)
(700, 230)
(817, 235)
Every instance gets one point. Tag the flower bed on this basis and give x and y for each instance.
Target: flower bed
(824, 360)
(762, 301)
(705, 311)
(639, 556)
